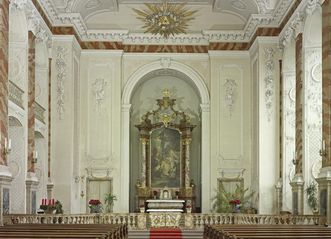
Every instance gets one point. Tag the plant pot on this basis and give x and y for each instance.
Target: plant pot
(95, 209)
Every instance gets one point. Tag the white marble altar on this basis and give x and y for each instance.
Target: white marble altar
(165, 205)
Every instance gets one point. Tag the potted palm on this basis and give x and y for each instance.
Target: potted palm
(109, 201)
(311, 192)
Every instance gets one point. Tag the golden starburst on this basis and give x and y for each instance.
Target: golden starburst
(165, 19)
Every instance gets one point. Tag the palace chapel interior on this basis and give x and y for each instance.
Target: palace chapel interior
(107, 97)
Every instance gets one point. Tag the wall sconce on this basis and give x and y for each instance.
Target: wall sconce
(35, 156)
(7, 148)
(79, 179)
(323, 151)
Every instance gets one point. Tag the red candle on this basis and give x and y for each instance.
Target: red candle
(42, 201)
(53, 201)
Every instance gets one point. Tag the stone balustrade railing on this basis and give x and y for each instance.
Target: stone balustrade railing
(142, 220)
(39, 112)
(16, 94)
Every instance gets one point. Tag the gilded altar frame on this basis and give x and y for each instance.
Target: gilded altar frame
(165, 137)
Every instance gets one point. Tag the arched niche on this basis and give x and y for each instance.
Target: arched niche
(133, 85)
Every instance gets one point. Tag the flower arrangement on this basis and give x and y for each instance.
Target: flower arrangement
(51, 206)
(235, 201)
(95, 206)
(227, 202)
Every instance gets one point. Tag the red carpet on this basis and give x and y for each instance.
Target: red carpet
(165, 233)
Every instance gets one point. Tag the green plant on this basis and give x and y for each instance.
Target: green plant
(223, 201)
(58, 207)
(109, 201)
(311, 192)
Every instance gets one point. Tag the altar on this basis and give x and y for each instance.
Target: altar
(165, 183)
(163, 205)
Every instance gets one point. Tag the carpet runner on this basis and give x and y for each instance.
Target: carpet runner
(165, 233)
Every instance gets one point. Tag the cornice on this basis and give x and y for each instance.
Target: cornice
(245, 35)
(295, 23)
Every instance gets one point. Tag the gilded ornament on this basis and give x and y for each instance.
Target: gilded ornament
(165, 19)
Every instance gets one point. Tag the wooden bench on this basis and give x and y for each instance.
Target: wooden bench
(266, 231)
(64, 231)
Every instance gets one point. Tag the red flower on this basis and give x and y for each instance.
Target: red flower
(235, 201)
(94, 202)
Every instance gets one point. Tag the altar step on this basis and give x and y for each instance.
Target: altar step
(186, 234)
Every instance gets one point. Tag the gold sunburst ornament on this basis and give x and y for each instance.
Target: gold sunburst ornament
(165, 19)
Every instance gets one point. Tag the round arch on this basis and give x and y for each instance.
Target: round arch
(132, 83)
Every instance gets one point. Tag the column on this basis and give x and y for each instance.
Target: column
(298, 181)
(205, 159)
(125, 158)
(50, 184)
(144, 143)
(31, 181)
(324, 179)
(5, 175)
(187, 143)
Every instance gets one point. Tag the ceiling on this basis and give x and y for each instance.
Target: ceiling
(107, 19)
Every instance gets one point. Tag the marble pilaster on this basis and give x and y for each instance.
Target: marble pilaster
(4, 47)
(31, 99)
(298, 181)
(49, 116)
(324, 178)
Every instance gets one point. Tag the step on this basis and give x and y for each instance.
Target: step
(186, 234)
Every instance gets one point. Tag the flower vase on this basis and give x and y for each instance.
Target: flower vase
(236, 208)
(95, 209)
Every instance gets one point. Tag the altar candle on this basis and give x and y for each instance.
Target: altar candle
(53, 201)
(42, 201)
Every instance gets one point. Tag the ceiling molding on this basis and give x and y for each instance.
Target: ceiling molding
(272, 19)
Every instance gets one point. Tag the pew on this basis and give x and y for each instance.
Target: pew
(64, 231)
(266, 231)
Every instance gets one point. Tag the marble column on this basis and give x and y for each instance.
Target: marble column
(187, 143)
(31, 179)
(298, 181)
(50, 184)
(144, 143)
(324, 178)
(4, 47)
(279, 196)
(5, 175)
(31, 100)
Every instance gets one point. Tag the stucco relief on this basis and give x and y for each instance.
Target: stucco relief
(99, 87)
(230, 87)
(269, 81)
(61, 76)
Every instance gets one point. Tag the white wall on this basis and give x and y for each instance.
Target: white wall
(230, 117)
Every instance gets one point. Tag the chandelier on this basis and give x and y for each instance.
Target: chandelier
(165, 19)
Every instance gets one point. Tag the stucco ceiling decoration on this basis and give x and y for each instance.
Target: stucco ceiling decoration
(165, 19)
(216, 21)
